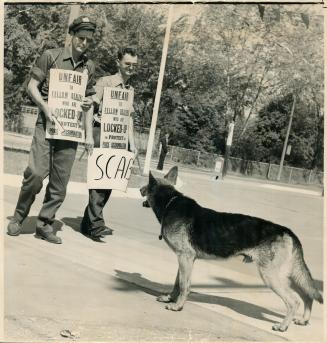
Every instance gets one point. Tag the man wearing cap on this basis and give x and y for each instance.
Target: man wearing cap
(54, 157)
(93, 224)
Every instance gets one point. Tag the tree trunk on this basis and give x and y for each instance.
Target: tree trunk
(161, 159)
(163, 152)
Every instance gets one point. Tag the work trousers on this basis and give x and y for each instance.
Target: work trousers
(48, 157)
(93, 214)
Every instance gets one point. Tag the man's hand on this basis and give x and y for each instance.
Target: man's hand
(133, 149)
(87, 104)
(48, 113)
(89, 144)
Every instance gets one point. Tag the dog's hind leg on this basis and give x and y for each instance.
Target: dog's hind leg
(172, 297)
(185, 262)
(307, 309)
(280, 285)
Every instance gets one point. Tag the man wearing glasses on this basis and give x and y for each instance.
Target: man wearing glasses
(53, 157)
(93, 225)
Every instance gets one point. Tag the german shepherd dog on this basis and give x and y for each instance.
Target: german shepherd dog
(192, 232)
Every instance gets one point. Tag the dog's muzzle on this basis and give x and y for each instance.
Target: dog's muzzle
(143, 192)
(145, 203)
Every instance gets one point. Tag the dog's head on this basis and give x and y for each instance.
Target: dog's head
(151, 188)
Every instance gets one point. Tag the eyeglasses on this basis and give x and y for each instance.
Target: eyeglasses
(130, 65)
(82, 39)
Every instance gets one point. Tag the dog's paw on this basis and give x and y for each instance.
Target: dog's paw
(174, 307)
(300, 321)
(279, 327)
(164, 298)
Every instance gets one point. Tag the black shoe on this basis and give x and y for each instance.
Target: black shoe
(91, 234)
(14, 227)
(104, 231)
(47, 235)
(95, 234)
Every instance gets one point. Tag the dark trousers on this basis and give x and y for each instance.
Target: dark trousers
(47, 157)
(93, 214)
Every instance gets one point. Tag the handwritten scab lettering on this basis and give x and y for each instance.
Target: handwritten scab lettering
(110, 168)
(116, 167)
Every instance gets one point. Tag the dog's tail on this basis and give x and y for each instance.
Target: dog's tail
(301, 275)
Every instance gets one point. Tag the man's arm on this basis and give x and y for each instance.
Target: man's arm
(33, 91)
(89, 141)
(131, 135)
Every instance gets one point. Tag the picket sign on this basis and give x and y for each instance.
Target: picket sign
(66, 94)
(116, 110)
(109, 169)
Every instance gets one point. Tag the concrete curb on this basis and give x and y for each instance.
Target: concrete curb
(78, 187)
(19, 142)
(73, 187)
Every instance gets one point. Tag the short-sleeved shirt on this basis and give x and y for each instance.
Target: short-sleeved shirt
(115, 80)
(61, 58)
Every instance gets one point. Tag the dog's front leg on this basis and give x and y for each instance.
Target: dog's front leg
(185, 262)
(172, 297)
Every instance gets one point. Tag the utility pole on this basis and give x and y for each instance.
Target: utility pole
(286, 139)
(158, 94)
(74, 13)
(228, 147)
(230, 128)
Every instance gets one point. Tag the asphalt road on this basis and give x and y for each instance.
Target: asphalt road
(106, 291)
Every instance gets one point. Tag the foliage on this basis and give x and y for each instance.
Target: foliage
(265, 138)
(225, 62)
(28, 31)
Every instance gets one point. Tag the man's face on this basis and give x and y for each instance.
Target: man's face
(81, 41)
(127, 65)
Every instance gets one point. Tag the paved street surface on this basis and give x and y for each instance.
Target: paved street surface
(106, 291)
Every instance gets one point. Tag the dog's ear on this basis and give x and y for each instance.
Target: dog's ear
(152, 180)
(171, 176)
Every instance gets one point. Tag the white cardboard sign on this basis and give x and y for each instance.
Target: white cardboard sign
(66, 93)
(109, 169)
(116, 110)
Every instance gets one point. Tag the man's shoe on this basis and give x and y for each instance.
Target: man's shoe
(104, 231)
(94, 234)
(14, 227)
(47, 235)
(91, 235)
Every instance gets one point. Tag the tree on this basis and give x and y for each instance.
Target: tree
(265, 137)
(29, 29)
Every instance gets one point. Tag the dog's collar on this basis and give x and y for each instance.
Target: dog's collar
(169, 202)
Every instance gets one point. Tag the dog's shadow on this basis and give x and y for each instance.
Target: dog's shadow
(29, 225)
(135, 281)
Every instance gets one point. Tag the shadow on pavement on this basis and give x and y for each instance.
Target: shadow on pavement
(135, 281)
(74, 223)
(29, 225)
(223, 283)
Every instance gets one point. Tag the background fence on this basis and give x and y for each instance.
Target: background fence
(238, 166)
